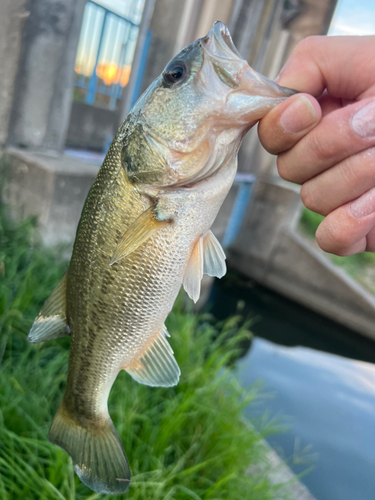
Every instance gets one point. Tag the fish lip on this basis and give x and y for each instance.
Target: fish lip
(219, 44)
(222, 35)
(220, 49)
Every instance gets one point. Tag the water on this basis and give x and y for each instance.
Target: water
(327, 399)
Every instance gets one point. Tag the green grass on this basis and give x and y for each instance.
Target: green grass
(188, 442)
(360, 266)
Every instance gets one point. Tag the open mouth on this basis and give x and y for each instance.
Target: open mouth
(222, 36)
(239, 75)
(219, 44)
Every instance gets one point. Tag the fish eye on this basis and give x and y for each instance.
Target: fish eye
(175, 72)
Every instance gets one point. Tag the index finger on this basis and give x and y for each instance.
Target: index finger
(344, 65)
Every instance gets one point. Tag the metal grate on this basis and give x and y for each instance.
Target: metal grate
(105, 52)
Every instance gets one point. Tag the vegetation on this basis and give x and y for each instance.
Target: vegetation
(188, 442)
(360, 266)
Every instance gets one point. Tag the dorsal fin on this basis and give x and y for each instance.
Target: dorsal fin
(155, 365)
(137, 233)
(213, 256)
(51, 321)
(194, 271)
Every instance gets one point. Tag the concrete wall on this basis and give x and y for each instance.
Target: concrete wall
(43, 91)
(13, 14)
(90, 126)
(314, 19)
(275, 207)
(164, 24)
(53, 189)
(269, 251)
(176, 23)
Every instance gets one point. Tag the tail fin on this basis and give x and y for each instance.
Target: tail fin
(97, 452)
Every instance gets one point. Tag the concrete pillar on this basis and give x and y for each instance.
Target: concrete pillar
(165, 25)
(13, 14)
(176, 23)
(44, 84)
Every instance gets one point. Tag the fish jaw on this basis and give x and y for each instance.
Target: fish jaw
(253, 95)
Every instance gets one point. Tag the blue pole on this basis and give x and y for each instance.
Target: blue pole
(237, 215)
(142, 67)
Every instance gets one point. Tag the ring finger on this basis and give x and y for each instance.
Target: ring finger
(340, 184)
(350, 228)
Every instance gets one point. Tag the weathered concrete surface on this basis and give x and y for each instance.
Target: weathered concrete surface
(307, 276)
(13, 14)
(273, 208)
(44, 84)
(54, 189)
(269, 251)
(280, 473)
(314, 19)
(164, 24)
(90, 126)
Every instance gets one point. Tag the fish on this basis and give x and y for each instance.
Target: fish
(144, 232)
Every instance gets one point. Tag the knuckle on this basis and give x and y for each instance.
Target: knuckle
(332, 239)
(306, 46)
(308, 198)
(358, 168)
(323, 147)
(283, 168)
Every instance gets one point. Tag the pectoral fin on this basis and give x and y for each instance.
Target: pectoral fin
(51, 321)
(137, 233)
(156, 365)
(213, 256)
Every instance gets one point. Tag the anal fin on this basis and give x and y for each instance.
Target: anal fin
(51, 321)
(156, 365)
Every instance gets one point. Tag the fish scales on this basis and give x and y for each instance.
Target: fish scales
(145, 231)
(139, 291)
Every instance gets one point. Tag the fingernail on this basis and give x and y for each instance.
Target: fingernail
(298, 116)
(363, 122)
(364, 205)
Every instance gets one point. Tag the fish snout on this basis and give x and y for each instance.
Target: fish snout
(256, 84)
(250, 95)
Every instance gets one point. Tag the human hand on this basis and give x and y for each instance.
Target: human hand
(327, 144)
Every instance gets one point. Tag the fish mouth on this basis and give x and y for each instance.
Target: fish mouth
(220, 48)
(223, 36)
(219, 44)
(249, 96)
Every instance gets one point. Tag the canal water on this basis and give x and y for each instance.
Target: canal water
(318, 380)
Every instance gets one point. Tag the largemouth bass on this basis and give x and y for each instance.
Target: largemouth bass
(144, 232)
